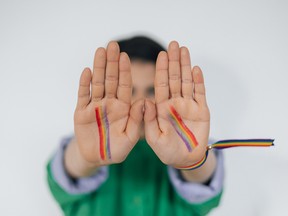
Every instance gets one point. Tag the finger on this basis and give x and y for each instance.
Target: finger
(111, 76)
(84, 89)
(124, 90)
(134, 121)
(174, 69)
(161, 78)
(152, 130)
(98, 74)
(187, 88)
(199, 87)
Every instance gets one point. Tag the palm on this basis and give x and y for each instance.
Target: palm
(111, 94)
(86, 129)
(194, 118)
(187, 98)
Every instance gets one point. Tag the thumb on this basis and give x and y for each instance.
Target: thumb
(152, 130)
(134, 121)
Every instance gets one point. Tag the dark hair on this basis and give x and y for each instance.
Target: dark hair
(141, 48)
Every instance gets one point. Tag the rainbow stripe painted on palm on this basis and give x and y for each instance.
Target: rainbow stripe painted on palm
(182, 130)
(103, 129)
(222, 144)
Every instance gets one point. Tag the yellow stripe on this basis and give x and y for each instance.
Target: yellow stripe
(103, 132)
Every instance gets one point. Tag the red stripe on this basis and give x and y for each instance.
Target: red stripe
(99, 123)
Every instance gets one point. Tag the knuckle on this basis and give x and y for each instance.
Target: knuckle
(97, 83)
(186, 81)
(161, 84)
(174, 77)
(111, 78)
(124, 85)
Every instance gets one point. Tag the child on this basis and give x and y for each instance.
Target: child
(112, 166)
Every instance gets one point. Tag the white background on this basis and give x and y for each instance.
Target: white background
(242, 47)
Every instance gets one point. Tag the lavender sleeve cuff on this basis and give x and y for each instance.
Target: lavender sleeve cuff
(197, 192)
(75, 186)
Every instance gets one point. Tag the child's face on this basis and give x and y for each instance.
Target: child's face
(143, 74)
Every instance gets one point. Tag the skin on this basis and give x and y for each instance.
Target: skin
(133, 111)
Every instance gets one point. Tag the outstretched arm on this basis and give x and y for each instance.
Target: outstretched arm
(106, 125)
(177, 125)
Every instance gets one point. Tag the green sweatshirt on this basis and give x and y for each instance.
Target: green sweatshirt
(138, 186)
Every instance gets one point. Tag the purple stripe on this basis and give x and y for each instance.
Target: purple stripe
(107, 133)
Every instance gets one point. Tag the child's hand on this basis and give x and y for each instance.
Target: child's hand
(106, 125)
(181, 91)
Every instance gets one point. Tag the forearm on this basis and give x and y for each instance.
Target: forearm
(203, 173)
(75, 165)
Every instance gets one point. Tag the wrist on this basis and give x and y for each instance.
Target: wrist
(75, 165)
(201, 174)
